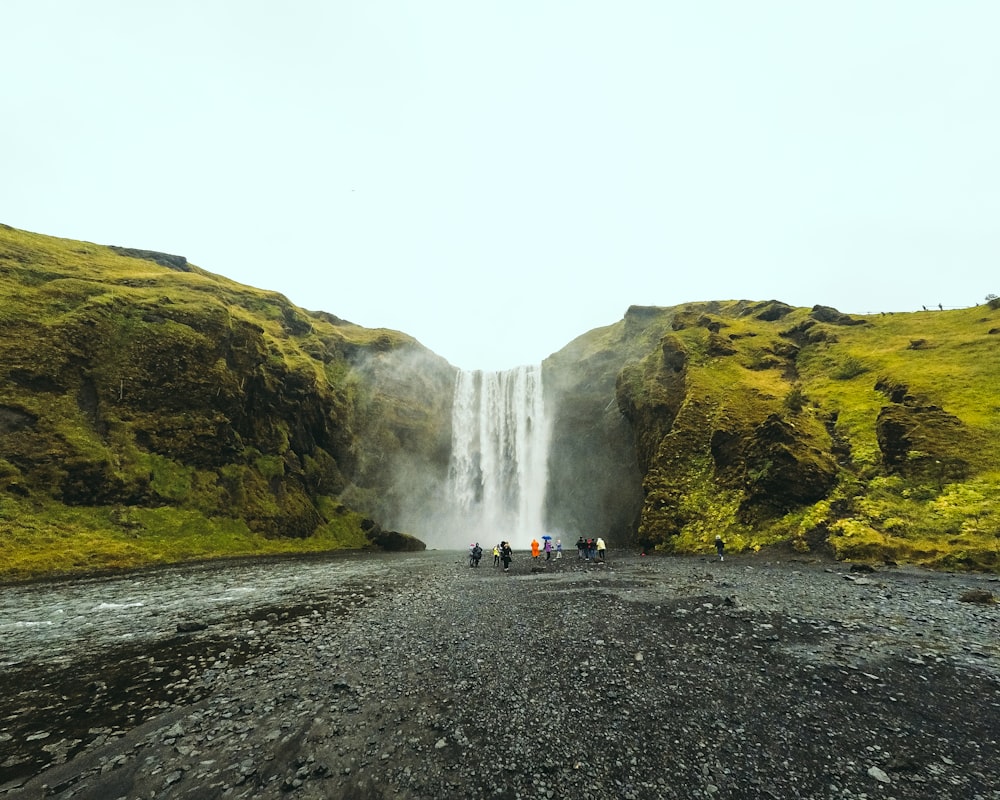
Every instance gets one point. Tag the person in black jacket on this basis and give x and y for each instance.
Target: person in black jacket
(506, 555)
(720, 547)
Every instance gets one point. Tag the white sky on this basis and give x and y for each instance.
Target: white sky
(497, 178)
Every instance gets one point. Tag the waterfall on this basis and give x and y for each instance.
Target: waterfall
(499, 460)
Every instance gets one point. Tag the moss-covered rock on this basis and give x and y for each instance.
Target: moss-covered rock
(758, 421)
(150, 410)
(133, 379)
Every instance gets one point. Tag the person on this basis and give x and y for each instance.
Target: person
(591, 548)
(506, 555)
(558, 548)
(601, 547)
(580, 546)
(547, 547)
(496, 555)
(720, 547)
(534, 548)
(475, 554)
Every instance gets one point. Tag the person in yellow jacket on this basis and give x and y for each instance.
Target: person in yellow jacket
(496, 555)
(601, 547)
(534, 548)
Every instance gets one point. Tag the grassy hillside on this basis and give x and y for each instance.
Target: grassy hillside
(151, 411)
(874, 437)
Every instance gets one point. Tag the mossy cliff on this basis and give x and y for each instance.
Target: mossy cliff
(869, 437)
(150, 410)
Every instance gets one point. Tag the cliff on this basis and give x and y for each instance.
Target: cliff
(870, 438)
(153, 411)
(150, 410)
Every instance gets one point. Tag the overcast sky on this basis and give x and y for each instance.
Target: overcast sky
(497, 178)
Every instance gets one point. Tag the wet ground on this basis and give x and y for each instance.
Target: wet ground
(84, 660)
(413, 676)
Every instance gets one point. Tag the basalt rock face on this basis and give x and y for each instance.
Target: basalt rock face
(134, 379)
(768, 423)
(919, 439)
(786, 466)
(690, 440)
(595, 479)
(641, 445)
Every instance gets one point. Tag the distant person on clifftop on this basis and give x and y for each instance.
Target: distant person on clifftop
(720, 547)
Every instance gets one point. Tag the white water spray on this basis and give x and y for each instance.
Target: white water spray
(499, 462)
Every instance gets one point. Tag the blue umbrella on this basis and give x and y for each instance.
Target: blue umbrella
(546, 536)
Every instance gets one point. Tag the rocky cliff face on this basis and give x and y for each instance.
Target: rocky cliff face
(769, 424)
(133, 379)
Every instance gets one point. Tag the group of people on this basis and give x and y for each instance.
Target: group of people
(548, 548)
(501, 553)
(591, 549)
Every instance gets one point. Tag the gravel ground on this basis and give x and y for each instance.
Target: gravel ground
(414, 676)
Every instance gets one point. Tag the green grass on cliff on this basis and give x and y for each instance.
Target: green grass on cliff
(112, 376)
(947, 359)
(923, 511)
(64, 540)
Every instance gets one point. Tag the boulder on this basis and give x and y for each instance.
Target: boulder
(785, 468)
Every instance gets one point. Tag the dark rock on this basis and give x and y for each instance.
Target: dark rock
(190, 627)
(719, 346)
(727, 453)
(643, 312)
(896, 391)
(774, 311)
(977, 596)
(833, 317)
(808, 332)
(178, 263)
(922, 440)
(392, 541)
(785, 468)
(15, 419)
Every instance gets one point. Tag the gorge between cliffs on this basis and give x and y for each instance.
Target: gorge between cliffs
(151, 412)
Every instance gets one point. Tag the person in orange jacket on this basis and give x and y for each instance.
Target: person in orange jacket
(534, 548)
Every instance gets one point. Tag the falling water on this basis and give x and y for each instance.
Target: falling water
(499, 462)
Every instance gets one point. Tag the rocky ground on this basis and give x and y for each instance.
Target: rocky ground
(419, 677)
